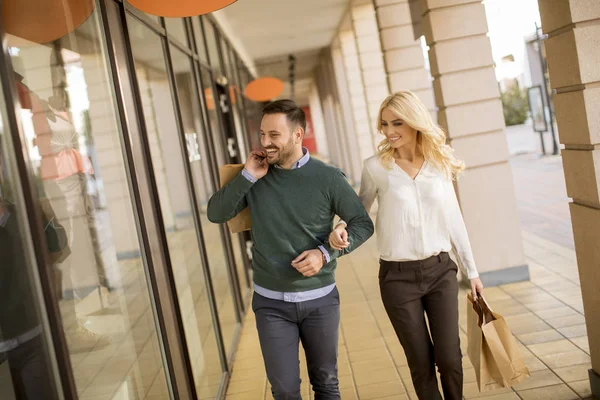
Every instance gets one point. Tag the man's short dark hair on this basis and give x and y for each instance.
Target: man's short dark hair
(294, 114)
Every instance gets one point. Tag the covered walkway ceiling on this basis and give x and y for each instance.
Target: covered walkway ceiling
(270, 31)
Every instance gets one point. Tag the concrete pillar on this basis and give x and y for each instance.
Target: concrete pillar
(468, 100)
(354, 152)
(573, 28)
(404, 61)
(318, 121)
(356, 89)
(324, 86)
(370, 57)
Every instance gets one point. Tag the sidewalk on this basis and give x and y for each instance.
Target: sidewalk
(545, 314)
(542, 198)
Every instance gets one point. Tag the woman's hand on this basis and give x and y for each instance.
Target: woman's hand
(338, 238)
(476, 287)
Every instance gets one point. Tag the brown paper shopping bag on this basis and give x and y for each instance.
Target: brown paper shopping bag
(492, 349)
(240, 222)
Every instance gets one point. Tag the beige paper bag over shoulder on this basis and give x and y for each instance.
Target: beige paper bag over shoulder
(242, 221)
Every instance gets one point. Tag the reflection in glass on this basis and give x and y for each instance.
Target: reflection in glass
(176, 30)
(238, 247)
(211, 99)
(154, 18)
(236, 103)
(175, 201)
(225, 53)
(205, 187)
(253, 109)
(25, 360)
(236, 106)
(199, 39)
(74, 144)
(232, 67)
(212, 45)
(233, 113)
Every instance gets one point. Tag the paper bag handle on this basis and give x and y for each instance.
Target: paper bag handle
(482, 308)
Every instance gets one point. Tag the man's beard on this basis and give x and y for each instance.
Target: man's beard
(283, 154)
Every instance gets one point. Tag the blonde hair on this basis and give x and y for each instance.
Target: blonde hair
(431, 139)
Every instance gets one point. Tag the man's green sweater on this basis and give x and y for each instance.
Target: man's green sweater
(292, 211)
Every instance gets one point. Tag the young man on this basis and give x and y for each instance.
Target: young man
(293, 199)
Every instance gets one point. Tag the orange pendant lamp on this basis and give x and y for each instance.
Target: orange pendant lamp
(264, 89)
(179, 8)
(42, 21)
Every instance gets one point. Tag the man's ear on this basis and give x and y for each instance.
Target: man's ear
(299, 134)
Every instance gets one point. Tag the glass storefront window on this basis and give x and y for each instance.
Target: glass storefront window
(211, 100)
(212, 45)
(26, 370)
(176, 204)
(199, 39)
(176, 29)
(232, 65)
(253, 109)
(236, 104)
(154, 18)
(205, 187)
(226, 62)
(75, 150)
(220, 141)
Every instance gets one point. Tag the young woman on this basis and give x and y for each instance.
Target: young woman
(418, 222)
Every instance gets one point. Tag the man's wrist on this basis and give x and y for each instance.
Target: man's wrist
(248, 175)
(324, 255)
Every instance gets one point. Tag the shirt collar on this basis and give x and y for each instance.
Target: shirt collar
(301, 162)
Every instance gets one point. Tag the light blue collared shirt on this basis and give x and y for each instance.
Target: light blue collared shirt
(294, 297)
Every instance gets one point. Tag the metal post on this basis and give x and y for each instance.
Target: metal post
(543, 144)
(545, 91)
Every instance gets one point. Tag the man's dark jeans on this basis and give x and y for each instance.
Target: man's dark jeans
(281, 326)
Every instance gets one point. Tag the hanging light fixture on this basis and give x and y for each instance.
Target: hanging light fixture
(43, 21)
(179, 8)
(264, 89)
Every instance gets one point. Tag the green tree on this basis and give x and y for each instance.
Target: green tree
(515, 106)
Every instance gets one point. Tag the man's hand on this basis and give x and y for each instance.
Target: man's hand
(338, 238)
(309, 263)
(257, 164)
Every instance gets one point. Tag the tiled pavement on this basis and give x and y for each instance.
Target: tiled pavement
(545, 314)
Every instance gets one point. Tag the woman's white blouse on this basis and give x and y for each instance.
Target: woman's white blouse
(417, 218)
